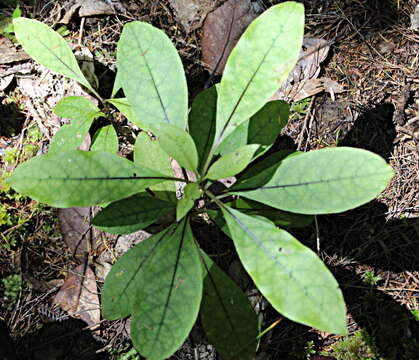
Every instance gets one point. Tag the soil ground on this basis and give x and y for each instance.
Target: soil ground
(372, 250)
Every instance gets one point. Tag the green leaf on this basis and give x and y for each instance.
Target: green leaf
(260, 173)
(126, 109)
(123, 284)
(263, 128)
(132, 214)
(106, 140)
(258, 65)
(191, 192)
(81, 178)
(324, 181)
(227, 316)
(48, 48)
(178, 144)
(76, 107)
(116, 84)
(291, 276)
(202, 122)
(70, 136)
(148, 153)
(151, 74)
(159, 283)
(82, 112)
(232, 163)
(278, 217)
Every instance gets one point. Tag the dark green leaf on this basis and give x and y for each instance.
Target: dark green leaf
(227, 316)
(202, 122)
(132, 214)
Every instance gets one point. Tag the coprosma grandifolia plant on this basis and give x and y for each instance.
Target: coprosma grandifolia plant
(164, 282)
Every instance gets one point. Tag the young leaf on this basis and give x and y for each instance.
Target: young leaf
(178, 144)
(48, 48)
(260, 62)
(259, 174)
(70, 136)
(148, 153)
(76, 107)
(324, 181)
(131, 214)
(202, 122)
(278, 217)
(263, 128)
(126, 109)
(81, 178)
(227, 316)
(150, 68)
(232, 163)
(106, 140)
(168, 303)
(191, 193)
(291, 276)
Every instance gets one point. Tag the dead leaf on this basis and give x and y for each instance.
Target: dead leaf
(221, 31)
(79, 296)
(9, 53)
(91, 8)
(191, 13)
(302, 81)
(75, 224)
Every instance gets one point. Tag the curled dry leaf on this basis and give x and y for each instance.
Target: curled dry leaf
(79, 296)
(221, 31)
(91, 8)
(9, 53)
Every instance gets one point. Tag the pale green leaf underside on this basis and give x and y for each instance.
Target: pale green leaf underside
(229, 321)
(80, 178)
(177, 143)
(232, 163)
(168, 304)
(151, 74)
(148, 153)
(48, 48)
(131, 214)
(324, 181)
(291, 276)
(106, 140)
(259, 64)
